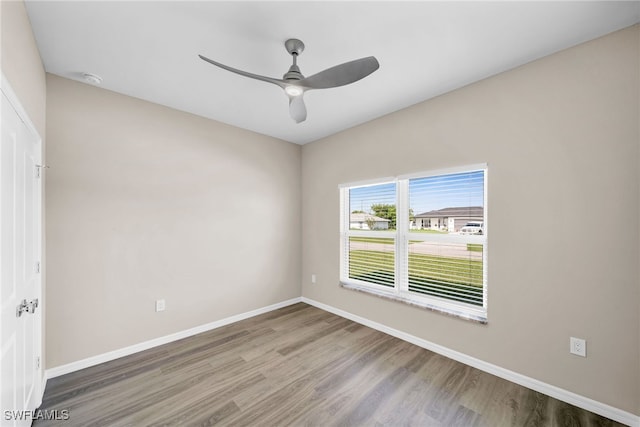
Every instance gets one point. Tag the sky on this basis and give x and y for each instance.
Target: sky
(425, 194)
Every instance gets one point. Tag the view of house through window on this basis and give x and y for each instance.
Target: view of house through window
(419, 238)
(447, 205)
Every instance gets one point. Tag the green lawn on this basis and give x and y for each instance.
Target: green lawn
(417, 230)
(457, 279)
(372, 266)
(384, 240)
(390, 241)
(427, 231)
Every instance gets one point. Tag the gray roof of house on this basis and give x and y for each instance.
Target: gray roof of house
(462, 212)
(362, 217)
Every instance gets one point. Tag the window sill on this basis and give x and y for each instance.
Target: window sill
(420, 304)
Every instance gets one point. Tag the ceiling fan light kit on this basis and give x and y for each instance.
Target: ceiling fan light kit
(295, 84)
(293, 90)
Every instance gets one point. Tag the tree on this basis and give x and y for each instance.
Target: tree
(385, 211)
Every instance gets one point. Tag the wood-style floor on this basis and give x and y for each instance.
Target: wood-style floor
(298, 366)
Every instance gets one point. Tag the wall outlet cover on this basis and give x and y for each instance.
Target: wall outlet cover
(578, 346)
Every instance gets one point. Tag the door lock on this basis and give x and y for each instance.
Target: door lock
(27, 307)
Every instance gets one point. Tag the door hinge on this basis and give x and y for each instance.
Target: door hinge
(38, 362)
(38, 267)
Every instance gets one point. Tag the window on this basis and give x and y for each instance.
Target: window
(420, 239)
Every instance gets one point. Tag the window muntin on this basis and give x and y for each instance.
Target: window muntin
(433, 253)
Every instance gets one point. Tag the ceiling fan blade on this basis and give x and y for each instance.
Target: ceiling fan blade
(278, 82)
(342, 74)
(297, 109)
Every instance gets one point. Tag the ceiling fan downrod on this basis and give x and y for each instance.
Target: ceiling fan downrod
(295, 47)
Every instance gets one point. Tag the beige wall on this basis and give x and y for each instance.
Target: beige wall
(20, 61)
(21, 65)
(145, 202)
(561, 138)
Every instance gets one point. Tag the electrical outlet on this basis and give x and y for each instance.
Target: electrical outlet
(313, 279)
(578, 346)
(160, 305)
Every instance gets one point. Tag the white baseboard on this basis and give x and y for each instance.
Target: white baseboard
(126, 351)
(539, 386)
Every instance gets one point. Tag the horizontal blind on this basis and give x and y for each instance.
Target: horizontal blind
(422, 237)
(442, 206)
(372, 208)
(459, 194)
(372, 260)
(449, 271)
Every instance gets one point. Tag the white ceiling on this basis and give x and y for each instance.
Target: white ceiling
(150, 49)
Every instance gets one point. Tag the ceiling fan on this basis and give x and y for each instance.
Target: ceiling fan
(295, 84)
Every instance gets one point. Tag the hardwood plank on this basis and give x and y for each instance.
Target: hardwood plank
(299, 366)
(371, 401)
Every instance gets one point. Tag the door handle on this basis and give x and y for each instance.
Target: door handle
(28, 307)
(32, 305)
(22, 307)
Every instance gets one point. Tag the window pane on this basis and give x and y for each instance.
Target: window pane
(452, 270)
(372, 260)
(447, 203)
(373, 207)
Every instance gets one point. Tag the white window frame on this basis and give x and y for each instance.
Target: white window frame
(401, 235)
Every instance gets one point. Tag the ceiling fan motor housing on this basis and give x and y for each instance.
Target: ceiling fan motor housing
(293, 73)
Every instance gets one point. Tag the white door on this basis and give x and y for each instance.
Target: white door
(20, 286)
